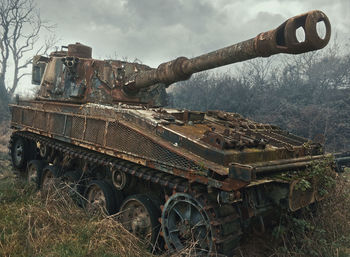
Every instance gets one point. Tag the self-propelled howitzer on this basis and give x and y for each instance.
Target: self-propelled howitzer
(195, 177)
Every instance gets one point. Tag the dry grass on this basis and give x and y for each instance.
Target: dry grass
(33, 224)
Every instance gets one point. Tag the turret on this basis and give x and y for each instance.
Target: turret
(73, 76)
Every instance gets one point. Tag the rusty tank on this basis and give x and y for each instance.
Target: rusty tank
(179, 178)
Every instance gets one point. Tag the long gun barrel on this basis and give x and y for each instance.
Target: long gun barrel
(280, 40)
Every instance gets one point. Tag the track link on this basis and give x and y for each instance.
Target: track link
(225, 222)
(164, 179)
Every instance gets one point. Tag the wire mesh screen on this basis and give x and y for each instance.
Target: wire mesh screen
(125, 139)
(118, 136)
(95, 131)
(77, 130)
(68, 129)
(57, 123)
(16, 115)
(40, 120)
(28, 117)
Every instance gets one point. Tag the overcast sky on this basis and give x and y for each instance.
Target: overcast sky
(155, 31)
(158, 30)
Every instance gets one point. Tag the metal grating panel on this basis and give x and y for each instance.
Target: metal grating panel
(16, 115)
(40, 120)
(57, 123)
(28, 117)
(68, 129)
(77, 130)
(122, 138)
(95, 131)
(280, 140)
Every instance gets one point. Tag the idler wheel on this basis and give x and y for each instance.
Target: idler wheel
(102, 198)
(186, 224)
(139, 215)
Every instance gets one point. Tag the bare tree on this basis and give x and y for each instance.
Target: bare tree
(20, 26)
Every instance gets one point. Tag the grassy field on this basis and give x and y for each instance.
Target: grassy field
(52, 225)
(35, 225)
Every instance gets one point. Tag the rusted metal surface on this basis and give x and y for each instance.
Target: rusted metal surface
(177, 135)
(74, 151)
(79, 50)
(342, 161)
(299, 198)
(125, 142)
(258, 170)
(82, 79)
(156, 139)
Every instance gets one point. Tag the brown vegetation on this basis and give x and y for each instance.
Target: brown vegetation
(34, 224)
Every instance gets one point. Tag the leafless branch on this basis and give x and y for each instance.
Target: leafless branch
(20, 29)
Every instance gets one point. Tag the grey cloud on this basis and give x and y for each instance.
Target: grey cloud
(157, 30)
(195, 16)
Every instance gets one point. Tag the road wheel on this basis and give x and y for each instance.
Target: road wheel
(22, 151)
(102, 198)
(48, 179)
(34, 171)
(140, 215)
